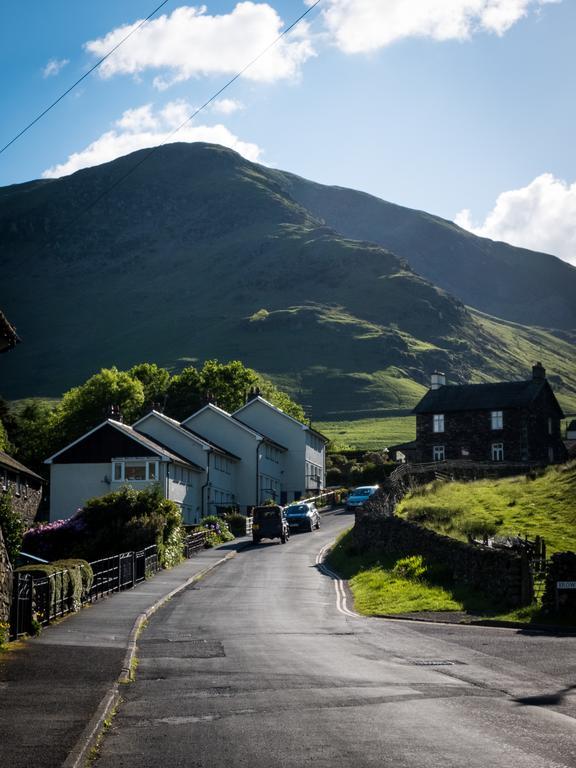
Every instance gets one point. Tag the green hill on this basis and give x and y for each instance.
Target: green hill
(200, 254)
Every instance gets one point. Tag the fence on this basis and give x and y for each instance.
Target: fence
(39, 601)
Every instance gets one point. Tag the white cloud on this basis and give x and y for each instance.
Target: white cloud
(226, 106)
(540, 216)
(360, 26)
(54, 66)
(142, 128)
(189, 43)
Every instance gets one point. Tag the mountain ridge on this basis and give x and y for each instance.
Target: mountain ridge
(199, 254)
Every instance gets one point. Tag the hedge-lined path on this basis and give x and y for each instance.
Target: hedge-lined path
(52, 686)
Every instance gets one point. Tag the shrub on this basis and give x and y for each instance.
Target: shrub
(4, 634)
(218, 530)
(479, 528)
(122, 521)
(412, 568)
(80, 577)
(237, 524)
(12, 526)
(433, 515)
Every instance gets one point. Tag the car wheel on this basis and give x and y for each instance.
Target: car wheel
(283, 538)
(256, 539)
(318, 525)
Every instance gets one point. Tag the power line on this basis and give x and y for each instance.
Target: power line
(84, 76)
(167, 138)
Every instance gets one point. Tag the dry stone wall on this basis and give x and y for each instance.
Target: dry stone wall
(502, 575)
(5, 582)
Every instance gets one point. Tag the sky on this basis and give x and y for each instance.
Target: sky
(462, 108)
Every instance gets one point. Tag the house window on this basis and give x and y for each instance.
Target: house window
(18, 485)
(438, 453)
(550, 426)
(3, 479)
(497, 419)
(135, 471)
(551, 454)
(438, 422)
(497, 451)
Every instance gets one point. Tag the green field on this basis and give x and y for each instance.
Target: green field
(544, 506)
(371, 434)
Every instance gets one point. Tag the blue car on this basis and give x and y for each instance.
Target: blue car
(303, 516)
(359, 496)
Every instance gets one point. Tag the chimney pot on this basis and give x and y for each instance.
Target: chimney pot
(437, 380)
(538, 371)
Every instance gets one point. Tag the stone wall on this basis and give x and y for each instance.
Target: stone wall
(503, 576)
(5, 582)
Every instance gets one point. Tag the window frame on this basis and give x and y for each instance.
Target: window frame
(121, 464)
(438, 453)
(438, 423)
(496, 420)
(497, 452)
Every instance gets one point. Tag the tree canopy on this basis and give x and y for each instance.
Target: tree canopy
(37, 430)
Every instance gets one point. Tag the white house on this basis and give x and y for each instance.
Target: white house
(212, 459)
(221, 468)
(112, 455)
(260, 474)
(305, 457)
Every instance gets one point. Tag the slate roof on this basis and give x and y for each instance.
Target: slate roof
(480, 397)
(8, 461)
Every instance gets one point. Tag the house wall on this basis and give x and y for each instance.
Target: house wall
(216, 428)
(222, 490)
(524, 434)
(25, 491)
(302, 450)
(71, 485)
(183, 486)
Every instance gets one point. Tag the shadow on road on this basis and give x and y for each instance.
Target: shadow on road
(544, 699)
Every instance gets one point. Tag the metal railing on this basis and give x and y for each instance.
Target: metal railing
(194, 542)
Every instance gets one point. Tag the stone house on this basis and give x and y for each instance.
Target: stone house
(516, 421)
(24, 486)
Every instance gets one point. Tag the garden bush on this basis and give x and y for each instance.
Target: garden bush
(217, 529)
(412, 567)
(236, 523)
(123, 521)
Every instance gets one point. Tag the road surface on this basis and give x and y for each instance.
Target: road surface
(264, 664)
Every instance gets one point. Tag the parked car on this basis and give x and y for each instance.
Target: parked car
(359, 496)
(269, 522)
(303, 516)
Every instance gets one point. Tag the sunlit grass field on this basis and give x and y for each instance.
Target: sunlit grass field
(371, 434)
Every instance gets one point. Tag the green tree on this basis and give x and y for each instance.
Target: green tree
(184, 395)
(154, 380)
(227, 383)
(4, 442)
(34, 436)
(84, 407)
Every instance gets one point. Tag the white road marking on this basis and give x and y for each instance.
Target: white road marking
(341, 599)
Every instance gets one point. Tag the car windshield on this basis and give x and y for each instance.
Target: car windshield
(300, 509)
(362, 492)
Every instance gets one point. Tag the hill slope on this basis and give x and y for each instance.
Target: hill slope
(514, 283)
(200, 253)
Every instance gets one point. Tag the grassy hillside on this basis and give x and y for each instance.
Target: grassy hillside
(515, 283)
(201, 254)
(542, 506)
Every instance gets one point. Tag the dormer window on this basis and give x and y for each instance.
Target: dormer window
(438, 422)
(497, 419)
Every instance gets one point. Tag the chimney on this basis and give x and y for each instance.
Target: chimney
(253, 394)
(437, 380)
(114, 413)
(538, 371)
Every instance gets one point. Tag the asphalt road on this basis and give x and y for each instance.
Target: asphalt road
(264, 664)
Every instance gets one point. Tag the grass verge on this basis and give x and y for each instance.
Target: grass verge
(394, 585)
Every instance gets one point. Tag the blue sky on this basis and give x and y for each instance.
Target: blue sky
(464, 108)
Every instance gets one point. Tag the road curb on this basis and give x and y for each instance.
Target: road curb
(89, 737)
